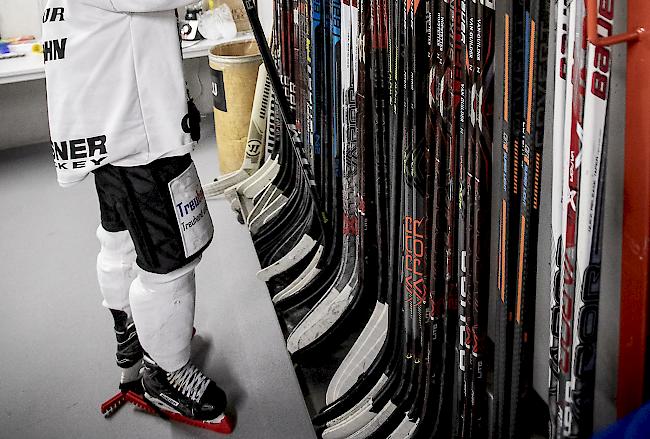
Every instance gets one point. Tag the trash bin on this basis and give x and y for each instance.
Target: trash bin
(234, 69)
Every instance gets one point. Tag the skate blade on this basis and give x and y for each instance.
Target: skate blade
(223, 424)
(111, 406)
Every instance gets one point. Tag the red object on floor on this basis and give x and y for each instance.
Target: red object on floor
(111, 406)
(225, 426)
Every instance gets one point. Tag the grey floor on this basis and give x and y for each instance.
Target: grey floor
(56, 344)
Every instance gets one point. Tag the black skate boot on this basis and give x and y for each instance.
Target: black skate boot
(186, 391)
(129, 358)
(185, 395)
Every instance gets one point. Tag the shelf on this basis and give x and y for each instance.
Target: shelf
(25, 68)
(196, 49)
(30, 67)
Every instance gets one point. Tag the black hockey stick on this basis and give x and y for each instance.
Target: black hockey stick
(285, 110)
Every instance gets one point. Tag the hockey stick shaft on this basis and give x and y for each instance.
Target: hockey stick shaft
(285, 109)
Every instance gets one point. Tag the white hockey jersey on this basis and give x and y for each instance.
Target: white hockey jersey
(115, 86)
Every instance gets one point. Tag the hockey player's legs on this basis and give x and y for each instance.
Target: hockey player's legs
(115, 268)
(163, 311)
(162, 207)
(115, 272)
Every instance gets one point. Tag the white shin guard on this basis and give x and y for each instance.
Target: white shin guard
(163, 312)
(115, 268)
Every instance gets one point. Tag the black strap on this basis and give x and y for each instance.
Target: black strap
(191, 122)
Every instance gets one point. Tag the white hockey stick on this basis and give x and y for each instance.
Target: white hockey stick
(341, 428)
(309, 273)
(361, 356)
(256, 138)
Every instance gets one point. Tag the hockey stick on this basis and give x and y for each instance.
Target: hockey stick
(307, 280)
(399, 394)
(377, 373)
(513, 59)
(559, 107)
(571, 193)
(536, 50)
(256, 138)
(369, 342)
(333, 305)
(304, 163)
(580, 317)
(287, 116)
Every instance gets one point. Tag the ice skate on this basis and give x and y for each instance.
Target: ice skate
(129, 358)
(185, 395)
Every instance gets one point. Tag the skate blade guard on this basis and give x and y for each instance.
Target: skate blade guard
(225, 424)
(112, 405)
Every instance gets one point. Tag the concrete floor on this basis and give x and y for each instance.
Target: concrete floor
(57, 346)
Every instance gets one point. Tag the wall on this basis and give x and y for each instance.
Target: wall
(24, 114)
(23, 105)
(20, 17)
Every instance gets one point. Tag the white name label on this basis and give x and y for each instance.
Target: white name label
(191, 209)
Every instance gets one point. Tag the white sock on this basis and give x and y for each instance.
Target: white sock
(132, 373)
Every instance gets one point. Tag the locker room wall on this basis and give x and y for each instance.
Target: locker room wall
(20, 17)
(607, 349)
